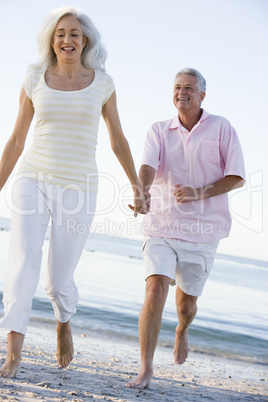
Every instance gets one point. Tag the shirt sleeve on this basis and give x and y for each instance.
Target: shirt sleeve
(151, 153)
(109, 89)
(231, 152)
(29, 83)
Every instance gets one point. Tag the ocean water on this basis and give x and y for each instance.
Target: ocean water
(232, 318)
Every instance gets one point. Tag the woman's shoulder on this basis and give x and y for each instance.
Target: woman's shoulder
(103, 75)
(105, 81)
(31, 79)
(34, 75)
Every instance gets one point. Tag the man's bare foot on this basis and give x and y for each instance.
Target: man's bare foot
(65, 349)
(10, 368)
(142, 381)
(181, 347)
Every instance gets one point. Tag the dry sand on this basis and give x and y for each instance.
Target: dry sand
(102, 366)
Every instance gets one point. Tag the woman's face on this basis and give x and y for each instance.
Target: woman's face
(68, 40)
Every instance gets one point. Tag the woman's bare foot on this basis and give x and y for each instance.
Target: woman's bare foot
(142, 380)
(65, 349)
(10, 368)
(181, 347)
(14, 346)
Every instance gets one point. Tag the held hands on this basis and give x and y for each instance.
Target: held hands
(142, 203)
(186, 194)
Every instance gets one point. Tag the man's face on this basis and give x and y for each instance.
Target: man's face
(186, 96)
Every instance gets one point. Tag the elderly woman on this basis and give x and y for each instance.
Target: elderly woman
(67, 90)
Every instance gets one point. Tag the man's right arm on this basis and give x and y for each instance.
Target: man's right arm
(146, 177)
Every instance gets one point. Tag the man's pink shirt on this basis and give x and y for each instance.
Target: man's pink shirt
(198, 158)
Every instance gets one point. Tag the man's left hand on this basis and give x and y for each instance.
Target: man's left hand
(186, 194)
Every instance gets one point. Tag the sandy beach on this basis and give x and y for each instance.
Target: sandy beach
(102, 366)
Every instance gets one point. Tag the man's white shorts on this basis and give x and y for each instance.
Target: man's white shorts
(187, 264)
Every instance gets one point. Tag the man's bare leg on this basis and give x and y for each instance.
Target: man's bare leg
(149, 327)
(65, 349)
(14, 346)
(186, 308)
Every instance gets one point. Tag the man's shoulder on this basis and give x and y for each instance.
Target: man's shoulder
(217, 125)
(215, 118)
(165, 125)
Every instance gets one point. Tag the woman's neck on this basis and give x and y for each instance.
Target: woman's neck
(68, 70)
(65, 78)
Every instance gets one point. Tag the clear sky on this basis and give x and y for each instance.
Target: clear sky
(148, 41)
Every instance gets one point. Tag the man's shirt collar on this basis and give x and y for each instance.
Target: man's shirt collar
(175, 122)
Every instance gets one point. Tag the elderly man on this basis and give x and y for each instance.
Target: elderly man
(189, 164)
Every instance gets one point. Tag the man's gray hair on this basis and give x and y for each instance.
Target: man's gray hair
(201, 82)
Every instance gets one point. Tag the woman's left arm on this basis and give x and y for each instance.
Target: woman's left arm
(122, 151)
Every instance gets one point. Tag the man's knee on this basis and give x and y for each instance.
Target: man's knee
(157, 288)
(187, 307)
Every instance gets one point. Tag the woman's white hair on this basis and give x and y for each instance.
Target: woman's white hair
(201, 82)
(94, 54)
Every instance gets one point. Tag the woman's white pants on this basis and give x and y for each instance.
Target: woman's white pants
(71, 213)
